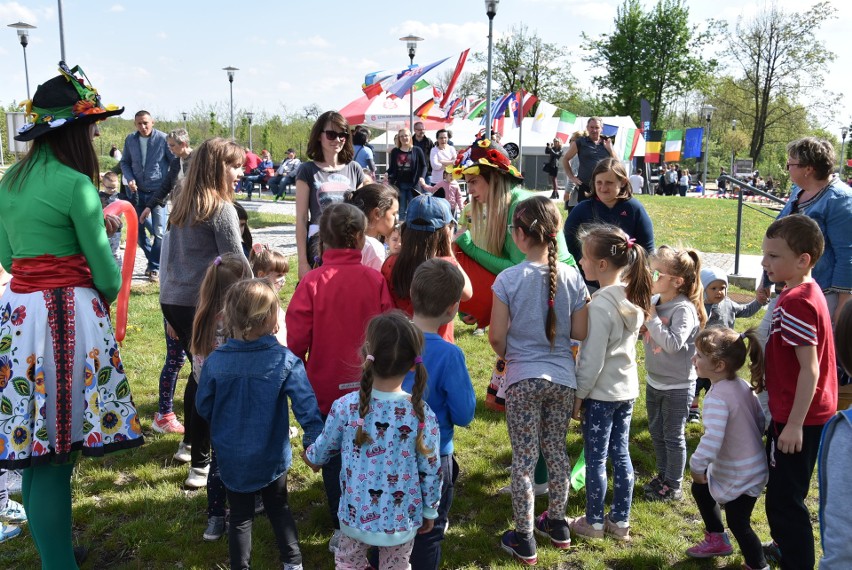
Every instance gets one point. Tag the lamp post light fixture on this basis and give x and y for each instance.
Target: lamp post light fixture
(250, 116)
(411, 43)
(490, 11)
(842, 162)
(24, 36)
(231, 71)
(185, 127)
(707, 113)
(522, 75)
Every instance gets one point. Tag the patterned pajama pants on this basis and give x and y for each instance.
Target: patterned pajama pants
(352, 555)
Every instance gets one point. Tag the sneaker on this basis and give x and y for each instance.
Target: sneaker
(184, 453)
(154, 277)
(292, 566)
(666, 494)
(614, 530)
(519, 546)
(581, 527)
(772, 552)
(334, 542)
(216, 527)
(714, 544)
(197, 477)
(8, 532)
(167, 423)
(556, 530)
(653, 485)
(258, 505)
(539, 489)
(694, 416)
(13, 513)
(14, 481)
(294, 432)
(479, 332)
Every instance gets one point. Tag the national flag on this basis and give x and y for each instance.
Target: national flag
(412, 76)
(674, 141)
(423, 110)
(692, 144)
(545, 111)
(631, 140)
(372, 90)
(653, 142)
(422, 84)
(566, 123)
(497, 125)
(455, 77)
(498, 108)
(522, 111)
(453, 106)
(476, 109)
(609, 130)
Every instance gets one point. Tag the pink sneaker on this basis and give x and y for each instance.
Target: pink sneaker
(714, 544)
(167, 423)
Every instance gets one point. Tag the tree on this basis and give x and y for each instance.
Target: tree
(782, 62)
(651, 55)
(468, 84)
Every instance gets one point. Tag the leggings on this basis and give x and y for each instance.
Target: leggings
(47, 501)
(738, 514)
(537, 415)
(175, 359)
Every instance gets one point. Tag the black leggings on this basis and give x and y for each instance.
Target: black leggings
(738, 515)
(197, 431)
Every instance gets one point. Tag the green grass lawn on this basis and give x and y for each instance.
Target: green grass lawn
(132, 511)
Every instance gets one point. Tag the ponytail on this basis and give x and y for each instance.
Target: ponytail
(550, 321)
(756, 362)
(365, 393)
(638, 277)
(417, 391)
(693, 289)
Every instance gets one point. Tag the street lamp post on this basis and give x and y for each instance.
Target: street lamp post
(707, 112)
(231, 71)
(490, 11)
(733, 145)
(61, 32)
(411, 43)
(250, 116)
(24, 36)
(842, 162)
(185, 127)
(522, 75)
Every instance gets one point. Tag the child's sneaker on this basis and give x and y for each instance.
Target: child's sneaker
(293, 432)
(581, 527)
(520, 546)
(714, 544)
(666, 494)
(291, 566)
(183, 453)
(653, 485)
(197, 477)
(167, 423)
(772, 552)
(334, 542)
(216, 527)
(8, 532)
(616, 530)
(556, 530)
(13, 513)
(694, 415)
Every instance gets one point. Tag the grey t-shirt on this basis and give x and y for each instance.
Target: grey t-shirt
(328, 187)
(524, 289)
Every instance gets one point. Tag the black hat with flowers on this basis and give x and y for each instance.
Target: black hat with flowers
(62, 100)
(484, 152)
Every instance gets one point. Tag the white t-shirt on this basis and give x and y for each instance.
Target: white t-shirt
(373, 254)
(637, 182)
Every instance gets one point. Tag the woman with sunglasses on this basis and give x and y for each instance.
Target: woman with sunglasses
(323, 180)
(406, 166)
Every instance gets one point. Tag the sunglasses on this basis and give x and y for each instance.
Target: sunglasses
(335, 135)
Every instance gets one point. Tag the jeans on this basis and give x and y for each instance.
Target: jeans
(667, 413)
(283, 526)
(426, 554)
(278, 184)
(738, 514)
(154, 226)
(606, 433)
(406, 193)
(249, 181)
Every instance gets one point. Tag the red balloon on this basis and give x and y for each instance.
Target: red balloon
(118, 208)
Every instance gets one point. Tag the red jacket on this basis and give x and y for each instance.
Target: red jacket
(327, 318)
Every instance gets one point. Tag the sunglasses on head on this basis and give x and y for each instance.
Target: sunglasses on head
(334, 135)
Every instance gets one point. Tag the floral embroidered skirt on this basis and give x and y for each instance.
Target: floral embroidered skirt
(62, 383)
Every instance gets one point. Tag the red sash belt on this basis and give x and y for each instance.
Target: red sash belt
(47, 272)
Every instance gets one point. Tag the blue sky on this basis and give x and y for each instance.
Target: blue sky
(167, 57)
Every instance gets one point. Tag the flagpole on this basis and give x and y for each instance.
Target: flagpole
(490, 11)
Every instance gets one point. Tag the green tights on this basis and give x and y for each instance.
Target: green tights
(47, 500)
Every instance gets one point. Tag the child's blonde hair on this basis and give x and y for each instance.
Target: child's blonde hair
(686, 264)
(720, 344)
(225, 270)
(392, 346)
(249, 304)
(264, 258)
(206, 186)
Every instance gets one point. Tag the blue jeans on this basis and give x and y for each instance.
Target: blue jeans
(606, 432)
(426, 554)
(406, 193)
(667, 413)
(154, 226)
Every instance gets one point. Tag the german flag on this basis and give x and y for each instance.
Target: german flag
(653, 142)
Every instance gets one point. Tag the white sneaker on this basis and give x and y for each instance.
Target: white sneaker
(13, 513)
(479, 332)
(197, 477)
(334, 542)
(184, 453)
(294, 432)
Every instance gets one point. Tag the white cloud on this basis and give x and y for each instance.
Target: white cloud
(14, 12)
(116, 8)
(162, 36)
(453, 35)
(314, 41)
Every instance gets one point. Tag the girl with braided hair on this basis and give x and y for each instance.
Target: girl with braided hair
(388, 441)
(539, 368)
(607, 375)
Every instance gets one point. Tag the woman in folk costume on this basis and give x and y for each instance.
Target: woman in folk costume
(64, 391)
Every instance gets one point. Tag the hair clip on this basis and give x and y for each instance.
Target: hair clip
(613, 250)
(257, 248)
(418, 360)
(630, 242)
(370, 357)
(218, 260)
(421, 425)
(742, 336)
(359, 422)
(551, 303)
(552, 235)
(534, 222)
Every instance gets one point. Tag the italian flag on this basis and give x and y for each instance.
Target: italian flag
(566, 123)
(674, 141)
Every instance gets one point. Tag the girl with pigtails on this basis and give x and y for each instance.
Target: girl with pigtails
(539, 368)
(388, 441)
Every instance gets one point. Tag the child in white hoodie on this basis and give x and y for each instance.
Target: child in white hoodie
(607, 376)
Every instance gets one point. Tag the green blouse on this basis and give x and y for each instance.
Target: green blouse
(56, 210)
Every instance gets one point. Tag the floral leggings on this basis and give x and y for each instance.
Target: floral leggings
(537, 415)
(175, 359)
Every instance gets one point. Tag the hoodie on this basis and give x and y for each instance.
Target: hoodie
(607, 368)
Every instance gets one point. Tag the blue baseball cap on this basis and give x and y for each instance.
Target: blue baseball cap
(428, 213)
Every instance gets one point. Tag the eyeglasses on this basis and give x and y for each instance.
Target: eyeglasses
(789, 164)
(334, 135)
(655, 275)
